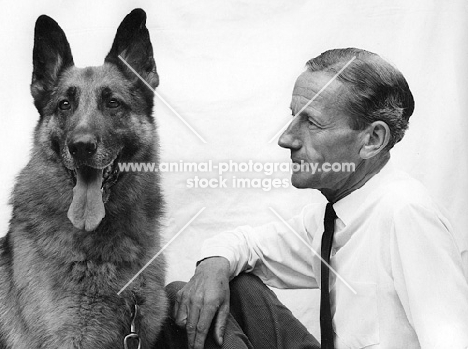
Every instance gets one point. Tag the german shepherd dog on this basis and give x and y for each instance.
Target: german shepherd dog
(80, 230)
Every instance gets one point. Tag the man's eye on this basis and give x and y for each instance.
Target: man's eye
(113, 103)
(312, 123)
(64, 104)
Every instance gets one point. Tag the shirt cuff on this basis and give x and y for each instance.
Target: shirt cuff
(221, 251)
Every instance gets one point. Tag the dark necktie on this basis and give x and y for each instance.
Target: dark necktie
(326, 327)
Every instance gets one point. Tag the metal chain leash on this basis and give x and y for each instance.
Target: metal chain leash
(133, 336)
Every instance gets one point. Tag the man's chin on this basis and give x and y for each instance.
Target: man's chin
(302, 183)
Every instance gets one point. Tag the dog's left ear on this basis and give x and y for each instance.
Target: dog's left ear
(132, 44)
(51, 56)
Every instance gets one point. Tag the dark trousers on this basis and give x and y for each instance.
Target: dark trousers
(258, 320)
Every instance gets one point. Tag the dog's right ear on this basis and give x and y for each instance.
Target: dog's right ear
(51, 55)
(132, 46)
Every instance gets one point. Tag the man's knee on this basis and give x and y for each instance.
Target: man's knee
(245, 285)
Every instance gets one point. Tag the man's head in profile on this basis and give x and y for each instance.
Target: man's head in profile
(356, 119)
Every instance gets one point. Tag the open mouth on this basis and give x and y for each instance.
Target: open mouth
(91, 192)
(110, 174)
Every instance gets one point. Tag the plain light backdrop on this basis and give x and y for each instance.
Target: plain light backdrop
(228, 69)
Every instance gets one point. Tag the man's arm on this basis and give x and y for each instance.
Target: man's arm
(279, 254)
(273, 252)
(429, 278)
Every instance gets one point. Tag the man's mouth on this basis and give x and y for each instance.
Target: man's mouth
(91, 192)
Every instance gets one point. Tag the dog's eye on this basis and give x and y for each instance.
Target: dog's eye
(113, 103)
(64, 104)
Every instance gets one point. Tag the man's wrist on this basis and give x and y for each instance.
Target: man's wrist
(216, 265)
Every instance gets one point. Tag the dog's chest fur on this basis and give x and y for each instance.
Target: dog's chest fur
(77, 305)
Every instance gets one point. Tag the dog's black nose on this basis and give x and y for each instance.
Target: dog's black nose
(82, 146)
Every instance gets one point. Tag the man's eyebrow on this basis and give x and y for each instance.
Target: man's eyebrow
(310, 112)
(305, 112)
(309, 115)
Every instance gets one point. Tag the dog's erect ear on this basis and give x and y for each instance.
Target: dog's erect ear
(132, 43)
(51, 55)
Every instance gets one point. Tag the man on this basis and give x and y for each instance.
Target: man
(396, 277)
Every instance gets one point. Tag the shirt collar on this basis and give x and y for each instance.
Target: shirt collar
(348, 207)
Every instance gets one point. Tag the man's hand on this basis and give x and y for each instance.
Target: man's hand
(205, 297)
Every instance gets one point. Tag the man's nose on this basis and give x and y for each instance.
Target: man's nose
(82, 145)
(289, 139)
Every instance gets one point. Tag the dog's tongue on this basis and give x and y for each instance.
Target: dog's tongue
(87, 209)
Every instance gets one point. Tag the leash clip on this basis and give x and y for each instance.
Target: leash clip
(133, 334)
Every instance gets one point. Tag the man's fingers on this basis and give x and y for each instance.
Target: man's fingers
(220, 325)
(192, 320)
(180, 310)
(204, 323)
(177, 302)
(198, 302)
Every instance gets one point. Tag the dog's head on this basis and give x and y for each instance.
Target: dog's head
(92, 117)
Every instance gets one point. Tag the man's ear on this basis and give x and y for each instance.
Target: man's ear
(376, 138)
(51, 56)
(132, 43)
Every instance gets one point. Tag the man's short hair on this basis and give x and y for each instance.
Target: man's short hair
(378, 90)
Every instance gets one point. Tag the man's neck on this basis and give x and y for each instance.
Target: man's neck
(364, 171)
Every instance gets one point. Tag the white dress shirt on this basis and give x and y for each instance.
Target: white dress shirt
(403, 284)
